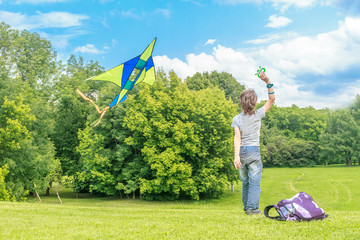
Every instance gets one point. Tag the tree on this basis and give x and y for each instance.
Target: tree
(223, 81)
(184, 137)
(71, 111)
(279, 150)
(304, 123)
(5, 193)
(29, 57)
(27, 69)
(341, 140)
(19, 150)
(164, 142)
(355, 112)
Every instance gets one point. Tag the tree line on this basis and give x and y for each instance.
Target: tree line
(171, 140)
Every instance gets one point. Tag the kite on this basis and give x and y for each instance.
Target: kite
(259, 71)
(137, 70)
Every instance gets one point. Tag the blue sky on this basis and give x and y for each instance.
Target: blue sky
(309, 47)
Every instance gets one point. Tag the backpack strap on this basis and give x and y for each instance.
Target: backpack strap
(266, 213)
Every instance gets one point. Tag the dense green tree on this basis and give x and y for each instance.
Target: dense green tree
(223, 81)
(279, 150)
(72, 111)
(20, 150)
(341, 140)
(96, 166)
(165, 141)
(355, 112)
(27, 70)
(5, 193)
(184, 137)
(28, 57)
(304, 123)
(355, 109)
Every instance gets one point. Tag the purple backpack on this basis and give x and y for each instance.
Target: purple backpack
(301, 207)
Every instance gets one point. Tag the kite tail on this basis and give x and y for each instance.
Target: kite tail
(101, 112)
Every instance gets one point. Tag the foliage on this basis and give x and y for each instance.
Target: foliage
(184, 138)
(28, 68)
(171, 140)
(96, 163)
(341, 139)
(5, 193)
(223, 81)
(304, 123)
(71, 112)
(18, 149)
(175, 147)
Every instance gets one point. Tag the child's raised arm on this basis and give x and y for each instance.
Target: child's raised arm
(271, 92)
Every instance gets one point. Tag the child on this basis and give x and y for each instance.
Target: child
(246, 143)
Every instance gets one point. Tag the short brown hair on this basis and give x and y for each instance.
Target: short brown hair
(248, 99)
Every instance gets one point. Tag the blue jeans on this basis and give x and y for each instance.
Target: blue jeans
(250, 175)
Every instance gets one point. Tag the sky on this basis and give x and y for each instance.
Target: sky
(310, 48)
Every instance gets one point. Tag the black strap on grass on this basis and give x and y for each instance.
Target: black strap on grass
(266, 213)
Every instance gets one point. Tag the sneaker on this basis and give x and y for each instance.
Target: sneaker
(253, 212)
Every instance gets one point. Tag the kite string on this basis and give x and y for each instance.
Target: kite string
(102, 112)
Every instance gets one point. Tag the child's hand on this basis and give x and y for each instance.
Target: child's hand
(237, 163)
(264, 77)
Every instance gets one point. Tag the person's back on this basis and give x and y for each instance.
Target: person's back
(247, 145)
(250, 127)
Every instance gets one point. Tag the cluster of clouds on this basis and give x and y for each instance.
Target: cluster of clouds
(65, 20)
(298, 65)
(42, 20)
(288, 62)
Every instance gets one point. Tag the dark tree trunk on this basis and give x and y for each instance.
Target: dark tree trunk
(48, 189)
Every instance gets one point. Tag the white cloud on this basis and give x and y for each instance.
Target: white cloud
(42, 20)
(281, 4)
(61, 41)
(271, 38)
(210, 42)
(131, 14)
(322, 54)
(278, 21)
(164, 12)
(287, 61)
(285, 4)
(88, 48)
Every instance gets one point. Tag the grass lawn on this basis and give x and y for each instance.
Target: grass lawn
(335, 189)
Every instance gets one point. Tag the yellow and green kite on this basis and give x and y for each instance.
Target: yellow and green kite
(127, 75)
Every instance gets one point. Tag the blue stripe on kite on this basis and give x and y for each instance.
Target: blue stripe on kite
(114, 102)
(124, 98)
(127, 70)
(149, 64)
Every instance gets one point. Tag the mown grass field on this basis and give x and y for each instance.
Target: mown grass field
(335, 189)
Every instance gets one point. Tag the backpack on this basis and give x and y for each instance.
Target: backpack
(301, 207)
